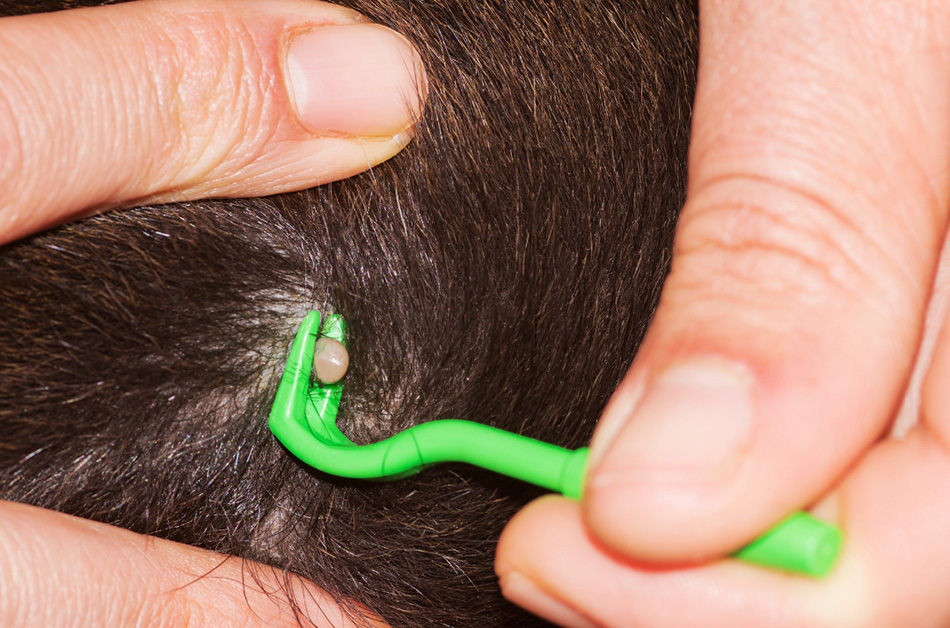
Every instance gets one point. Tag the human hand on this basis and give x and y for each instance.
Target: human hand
(59, 570)
(161, 101)
(804, 293)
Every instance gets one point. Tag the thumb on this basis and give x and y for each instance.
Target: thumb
(168, 100)
(802, 266)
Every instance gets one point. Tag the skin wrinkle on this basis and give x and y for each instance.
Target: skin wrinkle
(920, 197)
(196, 94)
(11, 141)
(117, 98)
(14, 152)
(898, 68)
(269, 84)
(12, 596)
(836, 277)
(103, 90)
(847, 232)
(907, 416)
(165, 90)
(479, 273)
(764, 234)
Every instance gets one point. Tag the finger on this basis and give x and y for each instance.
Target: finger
(894, 571)
(803, 261)
(935, 396)
(937, 310)
(889, 575)
(583, 584)
(168, 100)
(58, 570)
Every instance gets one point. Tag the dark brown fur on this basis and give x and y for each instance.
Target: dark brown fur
(502, 269)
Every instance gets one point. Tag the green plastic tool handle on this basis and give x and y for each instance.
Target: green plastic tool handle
(799, 543)
(320, 444)
(303, 419)
(410, 451)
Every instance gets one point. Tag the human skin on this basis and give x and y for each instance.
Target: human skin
(157, 101)
(808, 289)
(750, 592)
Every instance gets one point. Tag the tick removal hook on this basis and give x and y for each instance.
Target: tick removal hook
(304, 415)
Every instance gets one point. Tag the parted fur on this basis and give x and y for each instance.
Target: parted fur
(502, 269)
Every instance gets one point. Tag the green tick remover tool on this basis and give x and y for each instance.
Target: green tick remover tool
(304, 420)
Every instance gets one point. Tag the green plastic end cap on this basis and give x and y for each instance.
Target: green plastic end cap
(801, 543)
(574, 473)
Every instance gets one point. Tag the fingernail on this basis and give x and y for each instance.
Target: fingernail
(361, 80)
(527, 595)
(694, 419)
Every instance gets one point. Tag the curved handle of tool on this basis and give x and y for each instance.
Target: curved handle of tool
(549, 466)
(320, 444)
(800, 543)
